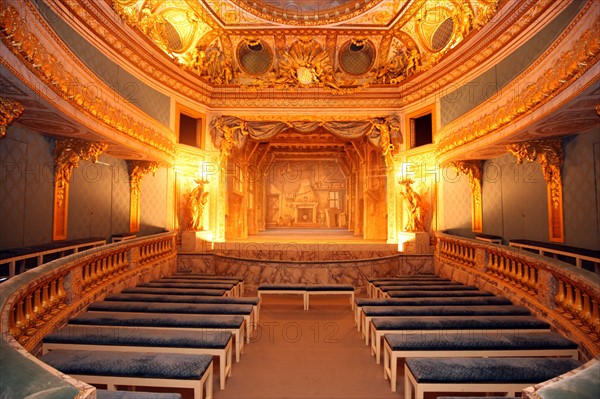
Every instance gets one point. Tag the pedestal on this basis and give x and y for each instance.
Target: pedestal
(196, 241)
(413, 242)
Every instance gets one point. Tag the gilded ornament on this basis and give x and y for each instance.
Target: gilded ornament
(9, 111)
(416, 204)
(137, 170)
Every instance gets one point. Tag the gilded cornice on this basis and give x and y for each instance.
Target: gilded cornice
(549, 76)
(83, 91)
(9, 111)
(474, 172)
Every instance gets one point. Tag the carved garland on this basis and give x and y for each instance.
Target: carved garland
(474, 172)
(548, 153)
(137, 170)
(9, 111)
(67, 154)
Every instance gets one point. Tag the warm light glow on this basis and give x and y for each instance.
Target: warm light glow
(403, 238)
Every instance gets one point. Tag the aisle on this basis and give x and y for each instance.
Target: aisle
(306, 354)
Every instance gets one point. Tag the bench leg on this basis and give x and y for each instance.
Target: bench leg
(306, 300)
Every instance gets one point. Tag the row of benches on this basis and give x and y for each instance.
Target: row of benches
(457, 343)
(164, 333)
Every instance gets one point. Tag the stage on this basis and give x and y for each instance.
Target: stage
(305, 255)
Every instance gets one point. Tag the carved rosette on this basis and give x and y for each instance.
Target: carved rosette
(67, 154)
(137, 170)
(548, 153)
(474, 172)
(9, 111)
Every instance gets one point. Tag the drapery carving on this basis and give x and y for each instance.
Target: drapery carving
(474, 172)
(9, 111)
(548, 153)
(137, 170)
(383, 132)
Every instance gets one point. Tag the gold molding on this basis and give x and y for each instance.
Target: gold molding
(474, 172)
(549, 154)
(67, 154)
(9, 111)
(26, 45)
(137, 170)
(560, 73)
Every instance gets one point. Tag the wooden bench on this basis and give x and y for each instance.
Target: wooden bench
(283, 289)
(139, 369)
(433, 294)
(164, 295)
(510, 375)
(452, 325)
(372, 282)
(236, 290)
(132, 339)
(360, 302)
(228, 287)
(238, 281)
(401, 346)
(246, 311)
(492, 239)
(381, 289)
(390, 303)
(196, 323)
(175, 291)
(123, 237)
(328, 289)
(105, 394)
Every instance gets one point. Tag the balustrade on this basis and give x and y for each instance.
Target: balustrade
(43, 301)
(532, 277)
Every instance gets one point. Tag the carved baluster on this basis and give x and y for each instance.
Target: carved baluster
(54, 298)
(568, 302)
(493, 267)
(586, 313)
(62, 293)
(577, 304)
(595, 319)
(533, 279)
(20, 324)
(38, 312)
(525, 276)
(46, 305)
(29, 316)
(559, 298)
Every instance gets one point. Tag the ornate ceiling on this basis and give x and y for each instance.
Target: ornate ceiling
(341, 46)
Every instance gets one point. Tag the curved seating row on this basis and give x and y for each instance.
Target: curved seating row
(179, 318)
(458, 343)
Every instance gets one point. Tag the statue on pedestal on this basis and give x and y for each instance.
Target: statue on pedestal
(196, 201)
(417, 207)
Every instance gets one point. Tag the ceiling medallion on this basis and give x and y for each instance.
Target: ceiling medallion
(306, 64)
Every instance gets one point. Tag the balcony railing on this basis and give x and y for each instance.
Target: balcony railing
(39, 301)
(565, 296)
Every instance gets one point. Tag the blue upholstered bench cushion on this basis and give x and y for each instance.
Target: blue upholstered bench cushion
(431, 287)
(195, 281)
(488, 370)
(166, 307)
(191, 284)
(181, 298)
(585, 384)
(414, 276)
(477, 341)
(173, 291)
(330, 287)
(477, 397)
(434, 294)
(159, 320)
(490, 310)
(128, 364)
(104, 394)
(457, 323)
(451, 301)
(281, 287)
(132, 336)
(416, 281)
(206, 276)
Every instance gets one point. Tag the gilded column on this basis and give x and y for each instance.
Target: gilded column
(137, 170)
(9, 111)
(67, 153)
(474, 171)
(548, 153)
